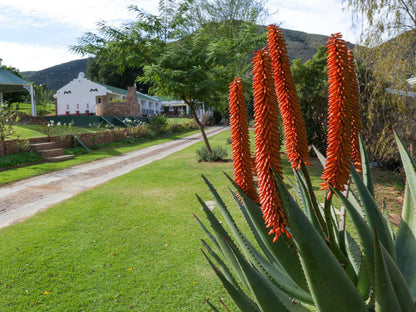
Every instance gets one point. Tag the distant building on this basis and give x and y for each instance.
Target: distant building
(177, 108)
(81, 97)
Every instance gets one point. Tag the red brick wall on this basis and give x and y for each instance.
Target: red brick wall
(130, 107)
(65, 141)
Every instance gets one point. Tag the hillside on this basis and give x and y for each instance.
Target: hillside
(57, 76)
(299, 45)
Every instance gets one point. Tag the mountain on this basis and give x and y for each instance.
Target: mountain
(57, 76)
(299, 45)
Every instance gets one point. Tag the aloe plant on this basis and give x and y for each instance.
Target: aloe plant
(303, 257)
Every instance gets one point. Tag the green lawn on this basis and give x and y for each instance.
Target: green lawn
(179, 121)
(130, 244)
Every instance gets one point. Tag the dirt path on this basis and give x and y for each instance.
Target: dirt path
(24, 198)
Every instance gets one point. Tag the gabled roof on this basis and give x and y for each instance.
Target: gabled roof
(9, 82)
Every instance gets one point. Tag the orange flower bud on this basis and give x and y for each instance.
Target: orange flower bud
(355, 114)
(240, 141)
(267, 143)
(338, 154)
(293, 122)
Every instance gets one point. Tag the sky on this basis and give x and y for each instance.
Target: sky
(35, 35)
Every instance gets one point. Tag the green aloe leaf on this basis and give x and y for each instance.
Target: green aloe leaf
(399, 284)
(367, 177)
(314, 216)
(366, 240)
(321, 157)
(282, 251)
(374, 216)
(224, 241)
(207, 233)
(406, 236)
(223, 267)
(353, 251)
(269, 298)
(244, 303)
(386, 300)
(275, 273)
(331, 288)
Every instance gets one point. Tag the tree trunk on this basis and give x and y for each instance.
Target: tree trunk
(201, 128)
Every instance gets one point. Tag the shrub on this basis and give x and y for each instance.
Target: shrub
(159, 124)
(15, 160)
(218, 153)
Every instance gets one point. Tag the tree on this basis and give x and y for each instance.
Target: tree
(188, 52)
(311, 83)
(386, 59)
(109, 74)
(185, 71)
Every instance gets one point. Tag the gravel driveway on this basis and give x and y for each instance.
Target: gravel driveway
(24, 198)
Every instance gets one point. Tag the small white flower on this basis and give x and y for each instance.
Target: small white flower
(59, 123)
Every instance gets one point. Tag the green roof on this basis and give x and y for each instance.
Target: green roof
(124, 92)
(147, 97)
(168, 98)
(9, 82)
(114, 89)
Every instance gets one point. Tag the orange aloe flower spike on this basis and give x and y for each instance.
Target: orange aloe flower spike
(338, 154)
(355, 113)
(293, 122)
(240, 141)
(267, 143)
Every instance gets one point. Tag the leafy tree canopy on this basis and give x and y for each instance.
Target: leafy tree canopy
(386, 59)
(191, 50)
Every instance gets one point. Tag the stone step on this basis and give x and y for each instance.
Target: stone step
(37, 147)
(59, 158)
(51, 152)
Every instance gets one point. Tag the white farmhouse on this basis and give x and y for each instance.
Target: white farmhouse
(80, 96)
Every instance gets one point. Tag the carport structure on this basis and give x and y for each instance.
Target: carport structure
(9, 82)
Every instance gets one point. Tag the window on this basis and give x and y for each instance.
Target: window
(77, 106)
(88, 105)
(67, 106)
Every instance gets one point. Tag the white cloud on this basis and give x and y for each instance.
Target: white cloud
(33, 57)
(317, 17)
(78, 13)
